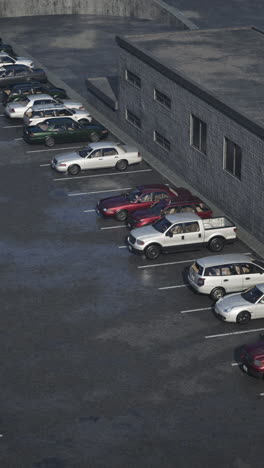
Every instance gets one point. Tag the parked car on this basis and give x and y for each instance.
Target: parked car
(242, 307)
(18, 109)
(252, 359)
(142, 196)
(62, 130)
(221, 274)
(17, 92)
(97, 156)
(8, 49)
(37, 114)
(183, 231)
(11, 74)
(6, 59)
(183, 204)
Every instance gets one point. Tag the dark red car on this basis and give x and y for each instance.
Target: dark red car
(142, 196)
(252, 359)
(181, 204)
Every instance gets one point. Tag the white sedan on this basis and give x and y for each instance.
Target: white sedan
(6, 59)
(17, 109)
(97, 156)
(242, 307)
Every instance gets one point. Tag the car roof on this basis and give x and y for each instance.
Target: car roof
(214, 260)
(182, 198)
(49, 106)
(39, 96)
(183, 218)
(102, 144)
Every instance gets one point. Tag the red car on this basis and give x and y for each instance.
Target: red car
(142, 196)
(169, 206)
(252, 359)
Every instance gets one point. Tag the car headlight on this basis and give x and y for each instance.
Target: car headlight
(228, 309)
(140, 242)
(105, 209)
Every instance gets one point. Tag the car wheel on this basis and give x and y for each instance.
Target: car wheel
(74, 169)
(216, 244)
(121, 165)
(152, 251)
(49, 141)
(121, 215)
(94, 137)
(84, 121)
(217, 293)
(243, 317)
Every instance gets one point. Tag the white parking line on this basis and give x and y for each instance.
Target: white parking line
(2, 115)
(44, 165)
(261, 394)
(164, 264)
(88, 211)
(101, 175)
(234, 333)
(12, 126)
(52, 149)
(17, 139)
(233, 364)
(173, 287)
(194, 310)
(98, 191)
(114, 227)
(122, 246)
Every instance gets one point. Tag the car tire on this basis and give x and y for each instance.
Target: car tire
(84, 121)
(121, 215)
(152, 251)
(243, 317)
(49, 141)
(216, 244)
(217, 293)
(121, 165)
(94, 137)
(73, 169)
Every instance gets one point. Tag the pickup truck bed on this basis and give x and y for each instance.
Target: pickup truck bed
(216, 223)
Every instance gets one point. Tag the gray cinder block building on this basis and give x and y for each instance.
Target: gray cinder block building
(195, 100)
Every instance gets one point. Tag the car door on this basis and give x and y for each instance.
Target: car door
(251, 274)
(109, 157)
(145, 200)
(232, 279)
(93, 160)
(258, 309)
(182, 235)
(75, 131)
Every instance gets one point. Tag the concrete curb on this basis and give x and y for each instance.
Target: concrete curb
(243, 235)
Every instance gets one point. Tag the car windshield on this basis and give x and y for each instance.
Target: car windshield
(157, 208)
(133, 195)
(84, 151)
(162, 225)
(252, 295)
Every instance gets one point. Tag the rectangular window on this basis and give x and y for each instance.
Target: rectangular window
(162, 141)
(232, 158)
(133, 79)
(162, 99)
(198, 134)
(133, 118)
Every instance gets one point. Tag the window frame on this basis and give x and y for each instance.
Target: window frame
(202, 145)
(133, 79)
(161, 99)
(237, 153)
(161, 140)
(133, 119)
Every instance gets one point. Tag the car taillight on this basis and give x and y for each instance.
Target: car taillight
(30, 133)
(235, 229)
(82, 108)
(138, 155)
(12, 110)
(104, 131)
(200, 282)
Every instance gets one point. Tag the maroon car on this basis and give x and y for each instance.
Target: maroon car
(252, 359)
(142, 196)
(181, 204)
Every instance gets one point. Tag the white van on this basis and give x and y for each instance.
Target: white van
(221, 274)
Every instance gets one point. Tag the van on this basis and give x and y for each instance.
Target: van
(218, 275)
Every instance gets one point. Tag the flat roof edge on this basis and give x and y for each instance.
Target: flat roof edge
(190, 86)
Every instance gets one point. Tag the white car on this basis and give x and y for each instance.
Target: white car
(240, 308)
(6, 59)
(97, 156)
(37, 114)
(17, 109)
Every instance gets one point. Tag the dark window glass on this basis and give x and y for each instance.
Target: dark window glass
(133, 118)
(133, 79)
(198, 134)
(162, 141)
(162, 98)
(233, 158)
(109, 152)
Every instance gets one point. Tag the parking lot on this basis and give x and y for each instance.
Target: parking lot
(109, 359)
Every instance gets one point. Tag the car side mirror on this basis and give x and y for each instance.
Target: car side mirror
(169, 234)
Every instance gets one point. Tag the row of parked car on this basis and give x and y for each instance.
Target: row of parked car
(161, 218)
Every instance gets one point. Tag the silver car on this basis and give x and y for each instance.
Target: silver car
(6, 59)
(243, 307)
(97, 156)
(221, 274)
(37, 114)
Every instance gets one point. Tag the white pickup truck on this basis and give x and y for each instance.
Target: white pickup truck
(183, 231)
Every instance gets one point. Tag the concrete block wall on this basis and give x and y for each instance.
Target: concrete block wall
(242, 200)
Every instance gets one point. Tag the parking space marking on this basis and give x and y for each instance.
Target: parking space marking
(122, 246)
(17, 139)
(101, 175)
(164, 264)
(88, 211)
(233, 364)
(114, 227)
(12, 126)
(44, 165)
(98, 191)
(234, 333)
(173, 287)
(261, 394)
(52, 149)
(194, 310)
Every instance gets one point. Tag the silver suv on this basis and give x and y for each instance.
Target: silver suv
(221, 274)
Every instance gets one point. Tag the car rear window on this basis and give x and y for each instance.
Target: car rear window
(197, 268)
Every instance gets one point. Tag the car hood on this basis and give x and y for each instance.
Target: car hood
(145, 232)
(233, 300)
(68, 157)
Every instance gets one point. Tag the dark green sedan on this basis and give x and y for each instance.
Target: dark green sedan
(63, 130)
